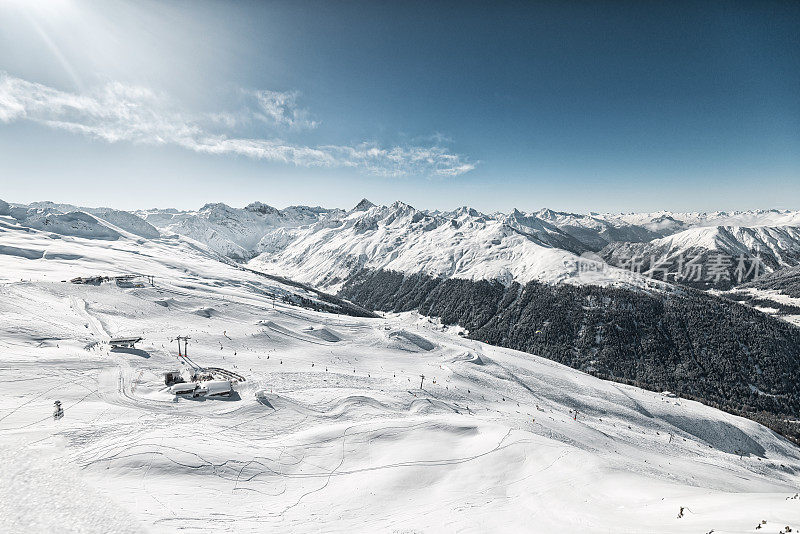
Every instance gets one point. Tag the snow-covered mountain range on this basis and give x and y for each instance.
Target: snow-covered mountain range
(323, 247)
(542, 246)
(738, 254)
(461, 244)
(231, 231)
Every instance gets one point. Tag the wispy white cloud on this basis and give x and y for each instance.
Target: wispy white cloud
(280, 108)
(436, 137)
(118, 112)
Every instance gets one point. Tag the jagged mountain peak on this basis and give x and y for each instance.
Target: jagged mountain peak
(466, 210)
(215, 207)
(363, 205)
(547, 213)
(400, 205)
(263, 209)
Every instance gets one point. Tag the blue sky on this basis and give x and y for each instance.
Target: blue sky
(579, 106)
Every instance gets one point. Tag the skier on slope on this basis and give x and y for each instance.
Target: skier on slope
(58, 411)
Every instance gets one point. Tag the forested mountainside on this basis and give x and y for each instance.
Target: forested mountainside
(699, 346)
(787, 281)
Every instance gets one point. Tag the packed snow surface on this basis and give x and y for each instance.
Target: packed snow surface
(334, 428)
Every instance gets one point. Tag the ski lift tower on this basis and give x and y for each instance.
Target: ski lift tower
(183, 357)
(185, 340)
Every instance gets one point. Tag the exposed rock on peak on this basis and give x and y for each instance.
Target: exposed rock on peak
(263, 209)
(364, 205)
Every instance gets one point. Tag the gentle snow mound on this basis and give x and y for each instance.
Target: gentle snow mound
(325, 334)
(75, 224)
(413, 339)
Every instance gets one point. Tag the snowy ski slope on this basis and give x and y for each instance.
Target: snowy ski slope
(331, 431)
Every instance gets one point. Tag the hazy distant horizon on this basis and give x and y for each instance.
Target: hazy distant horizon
(353, 204)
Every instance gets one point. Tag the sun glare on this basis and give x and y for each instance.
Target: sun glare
(41, 7)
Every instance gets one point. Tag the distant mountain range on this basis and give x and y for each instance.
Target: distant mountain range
(323, 247)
